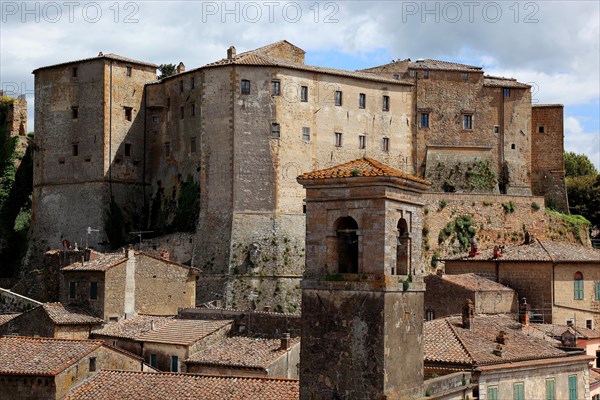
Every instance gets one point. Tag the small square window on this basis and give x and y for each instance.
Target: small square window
(193, 109)
(275, 88)
(303, 94)
(385, 144)
(153, 360)
(155, 119)
(426, 74)
(338, 139)
(512, 146)
(589, 324)
(72, 290)
(412, 73)
(174, 364)
(506, 92)
(127, 149)
(167, 149)
(181, 112)
(430, 315)
(496, 129)
(396, 76)
(464, 76)
(386, 103)
(92, 364)
(75, 149)
(424, 120)
(93, 290)
(193, 145)
(245, 87)
(362, 142)
(128, 71)
(362, 100)
(306, 134)
(128, 113)
(468, 121)
(180, 86)
(338, 98)
(75, 112)
(192, 82)
(74, 72)
(275, 130)
(540, 129)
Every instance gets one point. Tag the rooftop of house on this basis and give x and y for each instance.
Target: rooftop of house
(98, 262)
(41, 356)
(362, 167)
(69, 315)
(100, 56)
(499, 81)
(557, 330)
(133, 327)
(472, 282)
(538, 250)
(162, 385)
(446, 341)
(242, 352)
(4, 318)
(183, 331)
(594, 377)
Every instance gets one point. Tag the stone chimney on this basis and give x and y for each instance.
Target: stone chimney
(524, 310)
(231, 53)
(152, 325)
(439, 272)
(285, 342)
(180, 67)
(165, 255)
(468, 313)
(501, 338)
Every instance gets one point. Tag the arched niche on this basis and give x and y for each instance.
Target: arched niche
(347, 245)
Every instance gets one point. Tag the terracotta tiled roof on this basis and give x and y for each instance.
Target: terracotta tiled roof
(4, 318)
(100, 262)
(69, 315)
(41, 356)
(182, 331)
(475, 282)
(242, 352)
(556, 330)
(537, 251)
(117, 385)
(109, 56)
(132, 327)
(362, 167)
(479, 342)
(442, 65)
(497, 81)
(594, 377)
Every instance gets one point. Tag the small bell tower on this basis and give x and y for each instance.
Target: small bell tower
(362, 293)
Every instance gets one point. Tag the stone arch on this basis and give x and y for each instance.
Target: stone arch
(403, 249)
(347, 245)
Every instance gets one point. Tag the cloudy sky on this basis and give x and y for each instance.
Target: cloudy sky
(552, 45)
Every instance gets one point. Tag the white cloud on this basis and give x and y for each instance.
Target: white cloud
(581, 142)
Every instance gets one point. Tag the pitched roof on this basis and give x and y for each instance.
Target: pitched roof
(69, 315)
(475, 282)
(244, 352)
(132, 327)
(4, 318)
(446, 341)
(537, 251)
(113, 385)
(108, 56)
(556, 330)
(99, 262)
(498, 81)
(182, 331)
(41, 356)
(442, 65)
(362, 167)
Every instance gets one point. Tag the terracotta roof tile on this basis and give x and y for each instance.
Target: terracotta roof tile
(132, 327)
(242, 352)
(475, 282)
(442, 65)
(182, 331)
(362, 167)
(41, 356)
(117, 385)
(442, 345)
(497, 81)
(109, 56)
(4, 318)
(556, 330)
(100, 262)
(69, 315)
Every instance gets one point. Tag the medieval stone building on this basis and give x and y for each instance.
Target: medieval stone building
(216, 150)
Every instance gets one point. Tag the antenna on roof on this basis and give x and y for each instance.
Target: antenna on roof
(139, 234)
(89, 232)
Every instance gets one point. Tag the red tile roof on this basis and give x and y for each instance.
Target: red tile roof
(475, 282)
(115, 385)
(182, 331)
(242, 352)
(109, 56)
(556, 330)
(69, 315)
(362, 167)
(99, 262)
(497, 81)
(4, 318)
(41, 356)
(132, 327)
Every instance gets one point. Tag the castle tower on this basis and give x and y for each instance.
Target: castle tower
(362, 293)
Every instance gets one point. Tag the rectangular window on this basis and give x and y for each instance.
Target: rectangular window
(128, 113)
(155, 119)
(304, 93)
(430, 315)
(493, 393)
(193, 109)
(540, 129)
(338, 98)
(193, 145)
(128, 71)
(362, 142)
(506, 92)
(338, 139)
(275, 130)
(424, 120)
(518, 392)
(496, 129)
(275, 88)
(92, 364)
(362, 100)
(174, 364)
(597, 290)
(468, 121)
(306, 134)
(74, 72)
(412, 73)
(74, 112)
(550, 389)
(386, 103)
(573, 387)
(578, 289)
(589, 324)
(75, 150)
(181, 112)
(167, 149)
(127, 149)
(385, 144)
(245, 86)
(426, 74)
(72, 290)
(180, 86)
(192, 82)
(93, 290)
(153, 360)
(396, 76)
(464, 76)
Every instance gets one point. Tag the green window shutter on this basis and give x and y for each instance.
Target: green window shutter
(518, 391)
(573, 387)
(578, 289)
(550, 390)
(597, 290)
(493, 393)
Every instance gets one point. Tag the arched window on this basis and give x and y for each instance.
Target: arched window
(402, 249)
(578, 286)
(347, 241)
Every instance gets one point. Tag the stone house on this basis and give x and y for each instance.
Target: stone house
(53, 320)
(43, 368)
(503, 360)
(571, 336)
(444, 293)
(248, 356)
(560, 281)
(114, 286)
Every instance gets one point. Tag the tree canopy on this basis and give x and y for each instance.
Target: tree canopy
(166, 70)
(578, 165)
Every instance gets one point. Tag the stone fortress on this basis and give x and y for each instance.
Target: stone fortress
(216, 151)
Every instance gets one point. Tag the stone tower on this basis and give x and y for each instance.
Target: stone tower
(362, 293)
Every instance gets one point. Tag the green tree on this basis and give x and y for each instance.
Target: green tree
(166, 70)
(584, 197)
(578, 165)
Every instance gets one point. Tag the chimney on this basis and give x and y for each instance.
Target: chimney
(524, 310)
(501, 338)
(130, 252)
(165, 255)
(231, 52)
(468, 313)
(498, 350)
(180, 67)
(152, 325)
(101, 54)
(439, 272)
(285, 342)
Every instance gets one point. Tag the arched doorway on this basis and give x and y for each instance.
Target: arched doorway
(347, 243)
